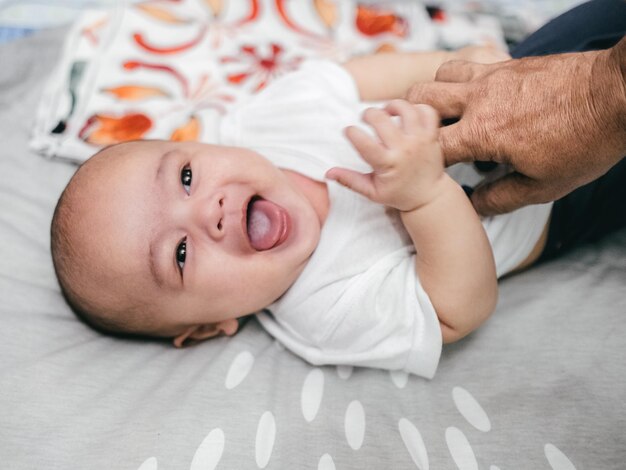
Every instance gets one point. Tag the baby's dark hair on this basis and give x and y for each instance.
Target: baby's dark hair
(68, 258)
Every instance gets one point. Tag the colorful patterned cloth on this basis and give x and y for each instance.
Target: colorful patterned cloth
(171, 69)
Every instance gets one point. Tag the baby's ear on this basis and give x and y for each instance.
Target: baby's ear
(209, 330)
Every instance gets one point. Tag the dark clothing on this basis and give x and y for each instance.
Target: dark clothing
(594, 25)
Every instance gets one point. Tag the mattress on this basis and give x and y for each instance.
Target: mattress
(541, 385)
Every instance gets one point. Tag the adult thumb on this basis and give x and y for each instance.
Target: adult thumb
(504, 194)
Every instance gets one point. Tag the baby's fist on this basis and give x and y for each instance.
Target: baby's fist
(406, 160)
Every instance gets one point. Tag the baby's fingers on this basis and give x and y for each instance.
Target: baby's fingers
(409, 116)
(387, 130)
(416, 119)
(371, 150)
(357, 182)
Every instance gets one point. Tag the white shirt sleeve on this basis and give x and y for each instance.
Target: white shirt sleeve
(389, 321)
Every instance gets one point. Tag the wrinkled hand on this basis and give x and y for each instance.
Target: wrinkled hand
(559, 121)
(407, 162)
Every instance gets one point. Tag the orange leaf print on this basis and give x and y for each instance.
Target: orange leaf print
(327, 11)
(190, 131)
(161, 14)
(372, 21)
(136, 92)
(107, 130)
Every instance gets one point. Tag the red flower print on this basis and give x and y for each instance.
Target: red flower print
(206, 94)
(259, 67)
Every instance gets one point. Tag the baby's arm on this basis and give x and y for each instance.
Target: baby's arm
(389, 75)
(454, 261)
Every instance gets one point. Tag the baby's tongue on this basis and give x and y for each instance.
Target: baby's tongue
(266, 224)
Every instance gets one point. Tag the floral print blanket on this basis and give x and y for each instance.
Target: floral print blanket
(171, 69)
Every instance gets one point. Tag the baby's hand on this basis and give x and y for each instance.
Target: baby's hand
(407, 162)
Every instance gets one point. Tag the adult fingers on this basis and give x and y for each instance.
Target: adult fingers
(455, 144)
(506, 194)
(448, 99)
(458, 71)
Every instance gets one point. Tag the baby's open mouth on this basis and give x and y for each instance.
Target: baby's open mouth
(267, 224)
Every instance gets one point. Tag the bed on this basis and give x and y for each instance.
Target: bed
(542, 385)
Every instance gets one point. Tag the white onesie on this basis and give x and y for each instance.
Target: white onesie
(358, 300)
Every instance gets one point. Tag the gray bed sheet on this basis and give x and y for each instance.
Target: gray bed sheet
(541, 385)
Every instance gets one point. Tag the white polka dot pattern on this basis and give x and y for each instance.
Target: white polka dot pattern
(414, 443)
(312, 393)
(460, 449)
(149, 464)
(344, 372)
(471, 409)
(399, 378)
(326, 463)
(557, 459)
(209, 452)
(265, 437)
(355, 424)
(239, 369)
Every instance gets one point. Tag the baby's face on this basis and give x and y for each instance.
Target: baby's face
(171, 225)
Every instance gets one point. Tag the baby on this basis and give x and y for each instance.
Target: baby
(357, 249)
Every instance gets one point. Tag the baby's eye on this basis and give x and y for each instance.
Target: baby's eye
(181, 253)
(185, 178)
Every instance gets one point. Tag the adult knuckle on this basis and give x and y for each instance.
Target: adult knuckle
(544, 192)
(442, 72)
(494, 200)
(416, 93)
(448, 68)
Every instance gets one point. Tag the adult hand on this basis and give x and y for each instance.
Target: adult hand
(559, 121)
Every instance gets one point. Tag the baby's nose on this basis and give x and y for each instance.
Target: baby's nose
(209, 215)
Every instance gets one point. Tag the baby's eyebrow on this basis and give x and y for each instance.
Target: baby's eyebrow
(154, 252)
(159, 172)
(157, 276)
